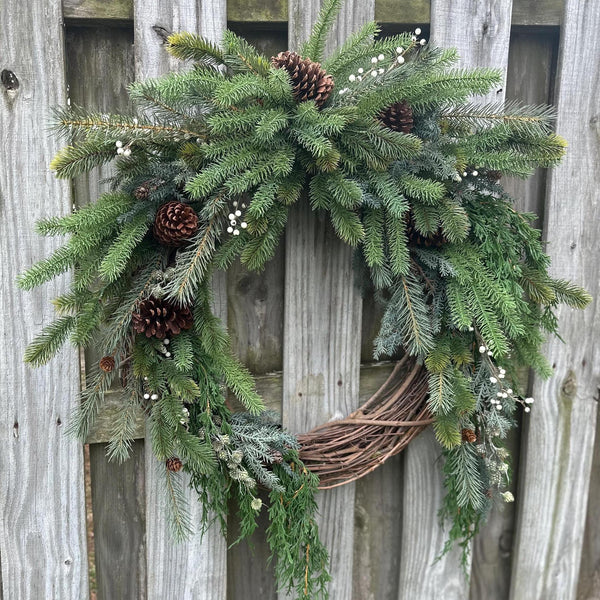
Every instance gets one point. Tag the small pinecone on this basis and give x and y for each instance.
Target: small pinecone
(174, 464)
(142, 191)
(160, 318)
(107, 363)
(398, 117)
(415, 238)
(309, 80)
(276, 456)
(175, 223)
(468, 435)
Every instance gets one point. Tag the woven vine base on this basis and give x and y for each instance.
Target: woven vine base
(347, 449)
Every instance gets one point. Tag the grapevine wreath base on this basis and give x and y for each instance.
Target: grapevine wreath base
(345, 450)
(383, 139)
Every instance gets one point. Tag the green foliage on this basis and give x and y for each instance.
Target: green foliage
(463, 277)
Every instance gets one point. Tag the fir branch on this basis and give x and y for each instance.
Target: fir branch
(314, 47)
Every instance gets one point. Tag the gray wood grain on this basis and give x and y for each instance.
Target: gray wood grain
(118, 506)
(421, 576)
(479, 29)
(99, 69)
(412, 12)
(322, 322)
(195, 568)
(42, 523)
(559, 442)
(378, 532)
(481, 32)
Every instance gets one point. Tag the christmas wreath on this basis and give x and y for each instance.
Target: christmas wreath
(383, 136)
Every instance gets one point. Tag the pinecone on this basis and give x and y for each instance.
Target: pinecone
(415, 238)
(309, 80)
(398, 117)
(107, 363)
(175, 223)
(142, 191)
(174, 464)
(468, 435)
(160, 318)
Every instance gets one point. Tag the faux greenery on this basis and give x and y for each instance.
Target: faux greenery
(473, 307)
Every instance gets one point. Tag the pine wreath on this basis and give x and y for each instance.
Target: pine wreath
(383, 138)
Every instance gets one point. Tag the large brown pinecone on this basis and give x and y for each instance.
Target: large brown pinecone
(398, 117)
(416, 238)
(159, 318)
(175, 223)
(309, 80)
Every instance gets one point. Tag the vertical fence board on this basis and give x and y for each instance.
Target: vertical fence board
(559, 440)
(118, 501)
(99, 69)
(321, 355)
(530, 71)
(377, 533)
(42, 527)
(195, 568)
(481, 32)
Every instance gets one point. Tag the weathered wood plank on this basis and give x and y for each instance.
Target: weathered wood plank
(408, 12)
(377, 533)
(481, 32)
(589, 572)
(118, 506)
(195, 568)
(42, 523)
(555, 466)
(421, 576)
(99, 69)
(321, 359)
(530, 71)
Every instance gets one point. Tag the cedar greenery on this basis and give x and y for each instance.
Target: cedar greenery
(228, 132)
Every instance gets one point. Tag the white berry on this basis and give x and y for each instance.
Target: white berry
(475, 173)
(238, 213)
(166, 341)
(154, 397)
(422, 42)
(418, 30)
(230, 230)
(527, 409)
(146, 396)
(482, 349)
(231, 216)
(244, 224)
(119, 144)
(400, 60)
(381, 71)
(236, 232)
(465, 173)
(381, 57)
(374, 60)
(493, 380)
(399, 50)
(127, 152)
(352, 77)
(374, 73)
(361, 70)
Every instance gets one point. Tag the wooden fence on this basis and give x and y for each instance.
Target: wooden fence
(296, 325)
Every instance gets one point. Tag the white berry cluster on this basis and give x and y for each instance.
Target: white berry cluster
(498, 374)
(234, 216)
(376, 69)
(122, 150)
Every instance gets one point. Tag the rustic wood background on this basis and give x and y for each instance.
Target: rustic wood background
(296, 327)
